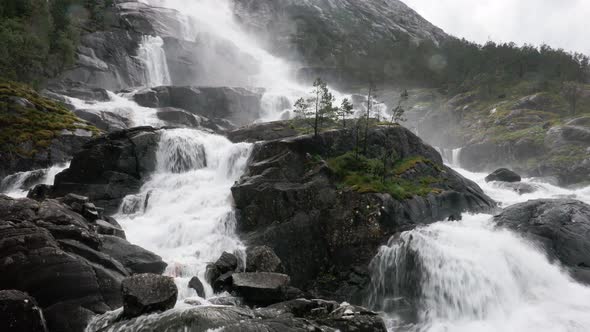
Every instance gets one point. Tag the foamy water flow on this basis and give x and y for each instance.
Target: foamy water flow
(18, 185)
(475, 277)
(185, 211)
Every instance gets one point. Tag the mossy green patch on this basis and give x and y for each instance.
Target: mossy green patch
(29, 121)
(371, 176)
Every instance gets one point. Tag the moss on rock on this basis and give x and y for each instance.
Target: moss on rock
(29, 121)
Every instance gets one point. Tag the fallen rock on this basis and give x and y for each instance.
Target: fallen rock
(196, 284)
(260, 288)
(262, 259)
(503, 175)
(147, 293)
(19, 312)
(561, 226)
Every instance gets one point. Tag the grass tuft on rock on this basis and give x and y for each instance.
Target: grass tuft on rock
(370, 176)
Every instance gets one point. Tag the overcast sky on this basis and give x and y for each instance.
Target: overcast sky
(559, 23)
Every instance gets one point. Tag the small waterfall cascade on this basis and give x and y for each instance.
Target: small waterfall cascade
(450, 156)
(151, 54)
(18, 185)
(184, 213)
(470, 276)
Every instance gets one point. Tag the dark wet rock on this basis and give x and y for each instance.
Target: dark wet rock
(134, 258)
(306, 315)
(200, 318)
(56, 255)
(519, 187)
(178, 117)
(260, 288)
(226, 300)
(40, 192)
(196, 284)
(212, 273)
(324, 235)
(503, 175)
(239, 105)
(105, 228)
(262, 259)
(104, 120)
(147, 293)
(227, 263)
(561, 226)
(263, 132)
(19, 312)
(223, 282)
(111, 167)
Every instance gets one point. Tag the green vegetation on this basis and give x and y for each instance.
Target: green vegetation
(29, 121)
(370, 176)
(39, 37)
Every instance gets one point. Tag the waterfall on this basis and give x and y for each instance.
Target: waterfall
(470, 276)
(19, 184)
(456, 155)
(184, 212)
(151, 54)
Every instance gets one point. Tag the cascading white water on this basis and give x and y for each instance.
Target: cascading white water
(122, 106)
(212, 24)
(473, 277)
(151, 54)
(17, 185)
(470, 276)
(184, 212)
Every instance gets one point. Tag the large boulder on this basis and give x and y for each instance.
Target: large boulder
(503, 175)
(294, 316)
(134, 258)
(110, 167)
(262, 259)
(19, 312)
(562, 227)
(260, 288)
(147, 293)
(55, 254)
(241, 106)
(324, 233)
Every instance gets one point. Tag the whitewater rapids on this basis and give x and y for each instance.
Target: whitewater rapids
(472, 276)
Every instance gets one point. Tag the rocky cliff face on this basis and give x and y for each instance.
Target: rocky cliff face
(335, 38)
(67, 257)
(532, 132)
(325, 232)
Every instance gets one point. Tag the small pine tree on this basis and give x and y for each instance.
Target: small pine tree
(398, 112)
(345, 110)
